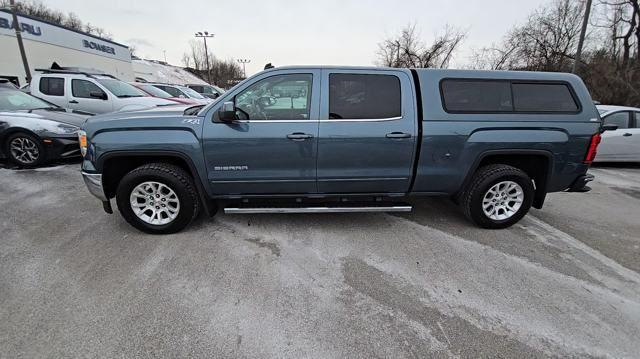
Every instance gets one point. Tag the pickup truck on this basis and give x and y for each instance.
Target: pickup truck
(342, 139)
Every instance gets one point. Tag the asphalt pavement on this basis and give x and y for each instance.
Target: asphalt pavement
(77, 282)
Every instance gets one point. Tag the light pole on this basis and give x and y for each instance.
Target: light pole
(16, 27)
(204, 35)
(244, 63)
(583, 33)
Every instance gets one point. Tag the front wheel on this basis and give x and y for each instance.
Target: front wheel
(25, 150)
(498, 196)
(158, 198)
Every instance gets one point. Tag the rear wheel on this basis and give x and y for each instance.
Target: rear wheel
(498, 196)
(158, 198)
(24, 150)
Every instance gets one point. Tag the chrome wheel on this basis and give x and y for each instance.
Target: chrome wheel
(24, 150)
(502, 200)
(154, 203)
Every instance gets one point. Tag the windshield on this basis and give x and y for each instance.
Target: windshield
(120, 89)
(191, 93)
(14, 100)
(602, 111)
(155, 91)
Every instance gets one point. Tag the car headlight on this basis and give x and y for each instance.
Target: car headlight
(82, 140)
(63, 129)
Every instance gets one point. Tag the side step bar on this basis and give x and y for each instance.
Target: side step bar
(238, 210)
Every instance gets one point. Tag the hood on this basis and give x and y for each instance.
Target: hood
(158, 117)
(62, 116)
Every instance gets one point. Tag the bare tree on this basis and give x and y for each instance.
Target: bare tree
(223, 72)
(407, 50)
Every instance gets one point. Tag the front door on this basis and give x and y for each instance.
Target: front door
(367, 132)
(87, 96)
(622, 144)
(271, 148)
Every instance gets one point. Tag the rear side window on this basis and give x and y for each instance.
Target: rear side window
(637, 119)
(476, 96)
(198, 89)
(504, 96)
(541, 97)
(52, 86)
(354, 96)
(171, 90)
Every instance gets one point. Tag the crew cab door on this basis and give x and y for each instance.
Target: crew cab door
(368, 129)
(622, 144)
(271, 148)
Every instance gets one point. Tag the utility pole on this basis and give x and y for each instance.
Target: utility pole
(244, 63)
(583, 33)
(165, 55)
(16, 26)
(204, 35)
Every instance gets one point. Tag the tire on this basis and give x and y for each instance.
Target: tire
(25, 150)
(176, 203)
(500, 208)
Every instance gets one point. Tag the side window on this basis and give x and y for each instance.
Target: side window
(637, 119)
(280, 97)
(52, 86)
(172, 91)
(197, 89)
(620, 119)
(84, 88)
(476, 96)
(354, 96)
(543, 97)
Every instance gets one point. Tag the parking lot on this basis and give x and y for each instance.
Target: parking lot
(76, 282)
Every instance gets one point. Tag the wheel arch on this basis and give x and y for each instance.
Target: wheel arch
(114, 165)
(529, 161)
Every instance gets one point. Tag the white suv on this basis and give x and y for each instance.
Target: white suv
(94, 93)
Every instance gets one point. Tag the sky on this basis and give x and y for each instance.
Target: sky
(288, 32)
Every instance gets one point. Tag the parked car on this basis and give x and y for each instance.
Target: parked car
(4, 83)
(94, 93)
(347, 140)
(622, 144)
(210, 91)
(183, 92)
(156, 92)
(33, 131)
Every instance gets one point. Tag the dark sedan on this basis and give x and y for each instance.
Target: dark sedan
(33, 131)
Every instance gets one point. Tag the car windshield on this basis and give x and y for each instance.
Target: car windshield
(120, 89)
(221, 91)
(15, 100)
(191, 93)
(155, 91)
(602, 111)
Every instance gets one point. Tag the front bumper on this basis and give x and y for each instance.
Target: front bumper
(61, 147)
(93, 181)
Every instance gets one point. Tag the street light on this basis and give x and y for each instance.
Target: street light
(204, 35)
(244, 63)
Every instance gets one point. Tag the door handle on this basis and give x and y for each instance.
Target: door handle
(299, 136)
(73, 101)
(398, 135)
(627, 134)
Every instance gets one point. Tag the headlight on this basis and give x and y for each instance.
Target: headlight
(63, 129)
(82, 140)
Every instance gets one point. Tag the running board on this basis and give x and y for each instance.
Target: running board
(243, 210)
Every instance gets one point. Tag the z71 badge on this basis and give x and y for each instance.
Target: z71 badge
(192, 121)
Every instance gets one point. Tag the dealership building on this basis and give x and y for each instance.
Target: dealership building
(46, 43)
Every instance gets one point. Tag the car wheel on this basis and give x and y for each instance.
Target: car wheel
(158, 198)
(25, 150)
(498, 196)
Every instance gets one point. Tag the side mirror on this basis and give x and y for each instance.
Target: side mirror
(98, 94)
(609, 128)
(227, 113)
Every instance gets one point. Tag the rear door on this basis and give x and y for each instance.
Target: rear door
(367, 132)
(620, 144)
(52, 89)
(272, 146)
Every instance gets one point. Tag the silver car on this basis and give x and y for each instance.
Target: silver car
(623, 144)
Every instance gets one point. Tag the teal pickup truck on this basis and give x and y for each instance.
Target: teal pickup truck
(348, 139)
